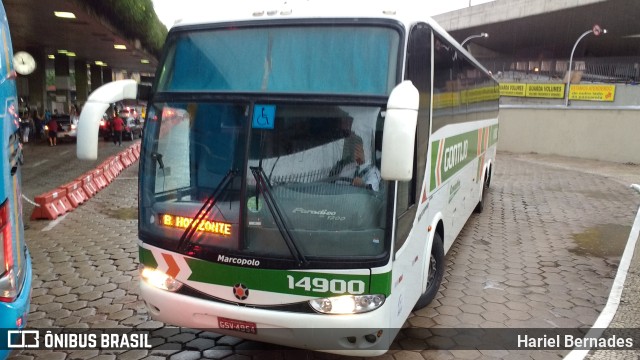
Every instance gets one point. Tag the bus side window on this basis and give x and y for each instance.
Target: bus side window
(419, 72)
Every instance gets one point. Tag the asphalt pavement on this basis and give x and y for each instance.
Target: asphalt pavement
(544, 254)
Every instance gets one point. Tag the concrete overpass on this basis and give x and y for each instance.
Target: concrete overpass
(89, 35)
(88, 38)
(535, 29)
(546, 30)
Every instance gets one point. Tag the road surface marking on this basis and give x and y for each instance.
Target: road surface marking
(55, 222)
(36, 164)
(609, 311)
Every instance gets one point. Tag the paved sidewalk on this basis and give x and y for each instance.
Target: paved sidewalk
(628, 312)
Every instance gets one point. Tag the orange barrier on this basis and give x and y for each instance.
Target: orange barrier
(75, 194)
(124, 159)
(114, 166)
(98, 179)
(67, 197)
(118, 164)
(132, 155)
(51, 205)
(88, 184)
(81, 193)
(106, 171)
(136, 150)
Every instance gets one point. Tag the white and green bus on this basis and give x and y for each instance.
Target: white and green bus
(255, 216)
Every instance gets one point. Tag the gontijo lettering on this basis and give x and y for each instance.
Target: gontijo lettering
(453, 155)
(204, 225)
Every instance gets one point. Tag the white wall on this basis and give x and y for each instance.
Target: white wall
(609, 135)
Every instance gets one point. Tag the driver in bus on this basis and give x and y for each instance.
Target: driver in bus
(364, 173)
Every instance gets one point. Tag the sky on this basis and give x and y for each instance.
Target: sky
(170, 10)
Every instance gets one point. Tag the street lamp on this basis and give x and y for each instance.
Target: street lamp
(484, 34)
(597, 31)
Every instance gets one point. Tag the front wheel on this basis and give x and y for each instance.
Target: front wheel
(436, 272)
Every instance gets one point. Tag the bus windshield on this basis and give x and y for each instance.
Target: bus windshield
(334, 59)
(290, 181)
(292, 178)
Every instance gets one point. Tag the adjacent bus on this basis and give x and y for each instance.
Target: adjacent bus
(15, 262)
(256, 216)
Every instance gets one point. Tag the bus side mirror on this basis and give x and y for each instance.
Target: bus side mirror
(398, 139)
(92, 111)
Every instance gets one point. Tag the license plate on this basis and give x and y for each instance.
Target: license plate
(237, 325)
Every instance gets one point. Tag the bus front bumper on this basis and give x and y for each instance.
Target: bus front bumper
(366, 334)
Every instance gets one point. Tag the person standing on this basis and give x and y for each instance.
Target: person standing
(118, 126)
(52, 125)
(25, 127)
(37, 125)
(75, 115)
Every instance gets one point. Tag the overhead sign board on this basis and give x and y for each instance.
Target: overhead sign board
(583, 92)
(549, 91)
(513, 89)
(592, 92)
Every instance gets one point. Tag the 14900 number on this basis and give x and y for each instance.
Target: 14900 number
(322, 285)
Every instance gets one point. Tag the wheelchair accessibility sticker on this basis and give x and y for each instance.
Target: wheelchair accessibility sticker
(264, 116)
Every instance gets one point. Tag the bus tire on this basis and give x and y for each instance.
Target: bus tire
(436, 272)
(485, 188)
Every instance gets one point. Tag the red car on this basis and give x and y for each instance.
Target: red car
(105, 128)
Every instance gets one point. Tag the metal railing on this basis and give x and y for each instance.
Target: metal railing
(601, 70)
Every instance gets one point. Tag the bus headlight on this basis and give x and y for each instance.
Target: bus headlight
(160, 279)
(347, 304)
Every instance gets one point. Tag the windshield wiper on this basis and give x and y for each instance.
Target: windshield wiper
(185, 239)
(263, 184)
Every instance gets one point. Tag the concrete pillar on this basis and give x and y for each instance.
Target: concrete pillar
(82, 81)
(38, 83)
(107, 75)
(63, 84)
(96, 76)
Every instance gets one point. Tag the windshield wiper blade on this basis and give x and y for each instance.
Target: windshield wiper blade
(263, 184)
(185, 239)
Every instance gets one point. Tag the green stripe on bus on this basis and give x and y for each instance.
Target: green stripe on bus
(459, 150)
(146, 258)
(434, 159)
(288, 282)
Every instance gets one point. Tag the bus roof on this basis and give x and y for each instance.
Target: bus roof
(247, 10)
(405, 12)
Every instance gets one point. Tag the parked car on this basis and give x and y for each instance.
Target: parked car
(105, 131)
(66, 128)
(132, 128)
(133, 125)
